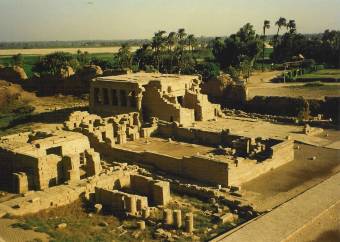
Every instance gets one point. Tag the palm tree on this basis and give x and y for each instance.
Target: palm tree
(124, 56)
(266, 25)
(192, 41)
(171, 40)
(181, 38)
(291, 26)
(282, 22)
(158, 42)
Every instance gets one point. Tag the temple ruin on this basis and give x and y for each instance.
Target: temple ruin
(144, 139)
(169, 97)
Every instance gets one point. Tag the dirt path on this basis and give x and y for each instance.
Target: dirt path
(10, 234)
(259, 78)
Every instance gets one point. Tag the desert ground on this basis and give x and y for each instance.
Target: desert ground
(259, 84)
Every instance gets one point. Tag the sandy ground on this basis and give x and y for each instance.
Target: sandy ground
(10, 234)
(259, 84)
(253, 128)
(295, 90)
(259, 78)
(10, 52)
(51, 103)
(275, 187)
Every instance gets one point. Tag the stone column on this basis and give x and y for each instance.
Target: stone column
(145, 213)
(168, 216)
(189, 222)
(131, 204)
(139, 96)
(141, 225)
(178, 218)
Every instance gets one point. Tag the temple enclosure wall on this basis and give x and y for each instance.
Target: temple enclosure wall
(109, 136)
(194, 167)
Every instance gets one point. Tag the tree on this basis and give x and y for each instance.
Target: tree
(158, 44)
(192, 42)
(245, 44)
(83, 57)
(282, 22)
(291, 26)
(54, 63)
(208, 70)
(143, 57)
(266, 25)
(18, 59)
(171, 40)
(124, 56)
(181, 35)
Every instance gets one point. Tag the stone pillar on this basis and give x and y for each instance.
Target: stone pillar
(139, 96)
(141, 225)
(131, 204)
(139, 205)
(168, 216)
(145, 213)
(178, 218)
(189, 222)
(161, 193)
(20, 182)
(93, 163)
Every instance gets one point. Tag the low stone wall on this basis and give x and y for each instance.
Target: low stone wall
(33, 202)
(247, 170)
(194, 167)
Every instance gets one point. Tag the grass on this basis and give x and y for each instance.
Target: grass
(30, 60)
(325, 73)
(314, 84)
(81, 227)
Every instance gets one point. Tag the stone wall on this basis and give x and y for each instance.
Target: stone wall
(46, 159)
(247, 169)
(157, 191)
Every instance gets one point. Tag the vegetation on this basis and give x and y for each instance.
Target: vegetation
(180, 52)
(321, 74)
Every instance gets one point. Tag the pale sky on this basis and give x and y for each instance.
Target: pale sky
(40, 20)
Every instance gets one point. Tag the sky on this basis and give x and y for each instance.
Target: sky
(43, 20)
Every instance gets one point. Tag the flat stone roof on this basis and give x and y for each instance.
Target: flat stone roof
(19, 143)
(143, 78)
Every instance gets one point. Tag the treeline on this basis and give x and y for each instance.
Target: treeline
(180, 52)
(174, 52)
(76, 43)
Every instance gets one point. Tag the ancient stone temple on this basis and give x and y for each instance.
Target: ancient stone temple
(169, 97)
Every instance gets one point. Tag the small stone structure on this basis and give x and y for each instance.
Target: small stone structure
(142, 192)
(112, 130)
(169, 97)
(38, 160)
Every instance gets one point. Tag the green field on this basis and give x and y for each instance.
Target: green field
(326, 73)
(30, 60)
